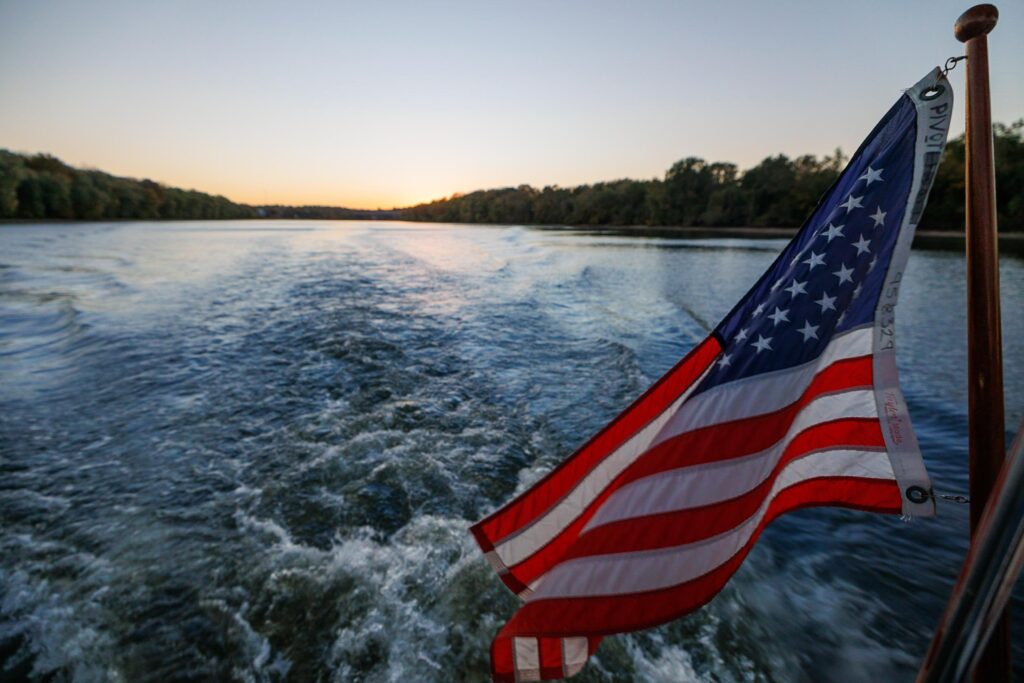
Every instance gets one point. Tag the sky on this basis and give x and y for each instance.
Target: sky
(382, 104)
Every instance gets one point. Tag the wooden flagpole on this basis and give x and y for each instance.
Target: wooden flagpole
(993, 563)
(986, 425)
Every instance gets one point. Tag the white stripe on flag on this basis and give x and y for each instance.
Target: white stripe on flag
(574, 655)
(530, 539)
(768, 392)
(635, 572)
(527, 658)
(714, 482)
(763, 393)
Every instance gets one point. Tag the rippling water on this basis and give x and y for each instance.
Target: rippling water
(252, 450)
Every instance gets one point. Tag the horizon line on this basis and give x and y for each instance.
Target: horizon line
(400, 206)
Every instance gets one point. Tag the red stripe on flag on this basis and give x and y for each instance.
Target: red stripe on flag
(542, 495)
(839, 433)
(679, 527)
(604, 615)
(551, 658)
(738, 438)
(717, 442)
(502, 663)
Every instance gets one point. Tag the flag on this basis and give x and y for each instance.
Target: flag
(793, 401)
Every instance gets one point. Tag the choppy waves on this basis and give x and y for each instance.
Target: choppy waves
(253, 455)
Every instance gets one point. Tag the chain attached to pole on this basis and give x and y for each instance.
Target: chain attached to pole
(955, 498)
(951, 64)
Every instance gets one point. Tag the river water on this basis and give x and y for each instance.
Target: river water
(251, 450)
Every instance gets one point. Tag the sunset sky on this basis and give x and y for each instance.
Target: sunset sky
(387, 104)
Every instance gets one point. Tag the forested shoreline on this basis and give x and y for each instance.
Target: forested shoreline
(44, 187)
(778, 192)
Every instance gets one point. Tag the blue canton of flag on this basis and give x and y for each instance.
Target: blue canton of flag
(828, 280)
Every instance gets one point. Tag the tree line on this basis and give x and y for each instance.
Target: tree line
(330, 213)
(778, 192)
(42, 186)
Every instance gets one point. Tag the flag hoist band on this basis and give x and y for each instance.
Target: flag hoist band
(793, 401)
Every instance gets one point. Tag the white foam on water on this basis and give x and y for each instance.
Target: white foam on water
(669, 664)
(781, 603)
(267, 526)
(256, 649)
(410, 379)
(57, 638)
(395, 624)
(424, 606)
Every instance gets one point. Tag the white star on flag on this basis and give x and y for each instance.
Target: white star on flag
(809, 331)
(879, 217)
(763, 343)
(844, 274)
(863, 245)
(832, 231)
(827, 303)
(871, 175)
(796, 288)
(779, 316)
(815, 260)
(724, 360)
(741, 335)
(852, 203)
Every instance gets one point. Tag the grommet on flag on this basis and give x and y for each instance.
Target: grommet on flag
(918, 494)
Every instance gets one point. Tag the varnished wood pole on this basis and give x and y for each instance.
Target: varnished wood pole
(986, 425)
(990, 571)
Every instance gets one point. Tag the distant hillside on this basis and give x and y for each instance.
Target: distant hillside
(334, 213)
(42, 186)
(778, 192)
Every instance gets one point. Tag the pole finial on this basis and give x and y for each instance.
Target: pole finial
(975, 22)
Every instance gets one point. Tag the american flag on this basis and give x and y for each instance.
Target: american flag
(793, 401)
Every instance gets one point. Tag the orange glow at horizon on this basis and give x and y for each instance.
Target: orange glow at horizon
(367, 106)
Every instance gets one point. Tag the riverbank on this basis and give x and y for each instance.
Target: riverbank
(1009, 243)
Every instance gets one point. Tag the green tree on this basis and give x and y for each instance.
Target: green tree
(11, 172)
(42, 186)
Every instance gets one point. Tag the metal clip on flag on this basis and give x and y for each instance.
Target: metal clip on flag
(792, 402)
